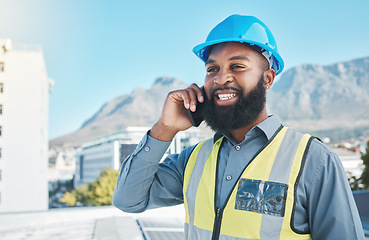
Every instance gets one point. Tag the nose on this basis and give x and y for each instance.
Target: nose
(223, 77)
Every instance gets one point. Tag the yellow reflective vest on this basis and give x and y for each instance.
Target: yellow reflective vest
(260, 205)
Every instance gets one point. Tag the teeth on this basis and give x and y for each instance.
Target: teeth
(226, 96)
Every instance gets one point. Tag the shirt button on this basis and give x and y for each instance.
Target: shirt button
(147, 149)
(238, 147)
(228, 178)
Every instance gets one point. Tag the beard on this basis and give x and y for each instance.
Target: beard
(244, 112)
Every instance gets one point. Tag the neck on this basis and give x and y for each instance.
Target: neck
(239, 134)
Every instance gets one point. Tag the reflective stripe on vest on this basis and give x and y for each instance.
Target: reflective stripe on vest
(261, 203)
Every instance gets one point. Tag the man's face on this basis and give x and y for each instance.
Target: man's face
(234, 85)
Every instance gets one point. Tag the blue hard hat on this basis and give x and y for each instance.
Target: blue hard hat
(244, 29)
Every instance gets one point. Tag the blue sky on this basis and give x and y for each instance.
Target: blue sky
(97, 50)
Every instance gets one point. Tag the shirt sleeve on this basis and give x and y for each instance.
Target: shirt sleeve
(144, 183)
(331, 208)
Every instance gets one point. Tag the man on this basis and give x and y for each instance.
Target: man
(255, 179)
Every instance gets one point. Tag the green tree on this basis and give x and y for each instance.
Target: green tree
(365, 174)
(69, 199)
(102, 189)
(83, 194)
(97, 193)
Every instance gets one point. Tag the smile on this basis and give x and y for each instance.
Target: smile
(226, 96)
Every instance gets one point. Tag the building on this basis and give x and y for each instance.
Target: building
(110, 151)
(106, 152)
(62, 165)
(351, 161)
(24, 104)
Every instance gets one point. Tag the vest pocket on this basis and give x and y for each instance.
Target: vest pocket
(261, 196)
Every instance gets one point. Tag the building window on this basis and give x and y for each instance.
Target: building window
(81, 167)
(1, 109)
(1, 130)
(0, 175)
(1, 66)
(1, 87)
(1, 152)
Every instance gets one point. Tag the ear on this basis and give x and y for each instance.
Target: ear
(269, 76)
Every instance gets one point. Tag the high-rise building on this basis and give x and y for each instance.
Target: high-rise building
(24, 108)
(106, 152)
(110, 151)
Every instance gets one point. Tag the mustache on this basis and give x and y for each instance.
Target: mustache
(212, 91)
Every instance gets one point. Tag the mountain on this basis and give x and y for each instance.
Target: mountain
(140, 108)
(314, 97)
(321, 99)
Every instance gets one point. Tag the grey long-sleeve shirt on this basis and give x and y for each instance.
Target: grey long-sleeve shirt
(324, 205)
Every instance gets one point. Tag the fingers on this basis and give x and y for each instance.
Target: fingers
(189, 97)
(195, 95)
(198, 91)
(192, 101)
(174, 114)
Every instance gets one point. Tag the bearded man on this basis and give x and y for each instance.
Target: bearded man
(255, 179)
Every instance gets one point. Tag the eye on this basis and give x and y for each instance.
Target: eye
(211, 69)
(237, 67)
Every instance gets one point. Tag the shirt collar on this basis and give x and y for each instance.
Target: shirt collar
(269, 126)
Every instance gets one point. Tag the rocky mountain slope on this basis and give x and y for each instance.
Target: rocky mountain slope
(140, 108)
(307, 97)
(314, 97)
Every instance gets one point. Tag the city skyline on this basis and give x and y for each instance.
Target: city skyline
(96, 51)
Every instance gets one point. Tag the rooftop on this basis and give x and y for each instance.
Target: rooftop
(112, 224)
(94, 223)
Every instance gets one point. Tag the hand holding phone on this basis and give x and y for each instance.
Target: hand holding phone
(197, 116)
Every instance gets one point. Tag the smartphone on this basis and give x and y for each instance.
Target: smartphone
(197, 116)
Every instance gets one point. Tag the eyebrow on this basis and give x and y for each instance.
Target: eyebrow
(232, 58)
(240, 58)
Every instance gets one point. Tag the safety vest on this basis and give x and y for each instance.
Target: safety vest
(260, 205)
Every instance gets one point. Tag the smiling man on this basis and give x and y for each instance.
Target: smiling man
(236, 79)
(255, 179)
